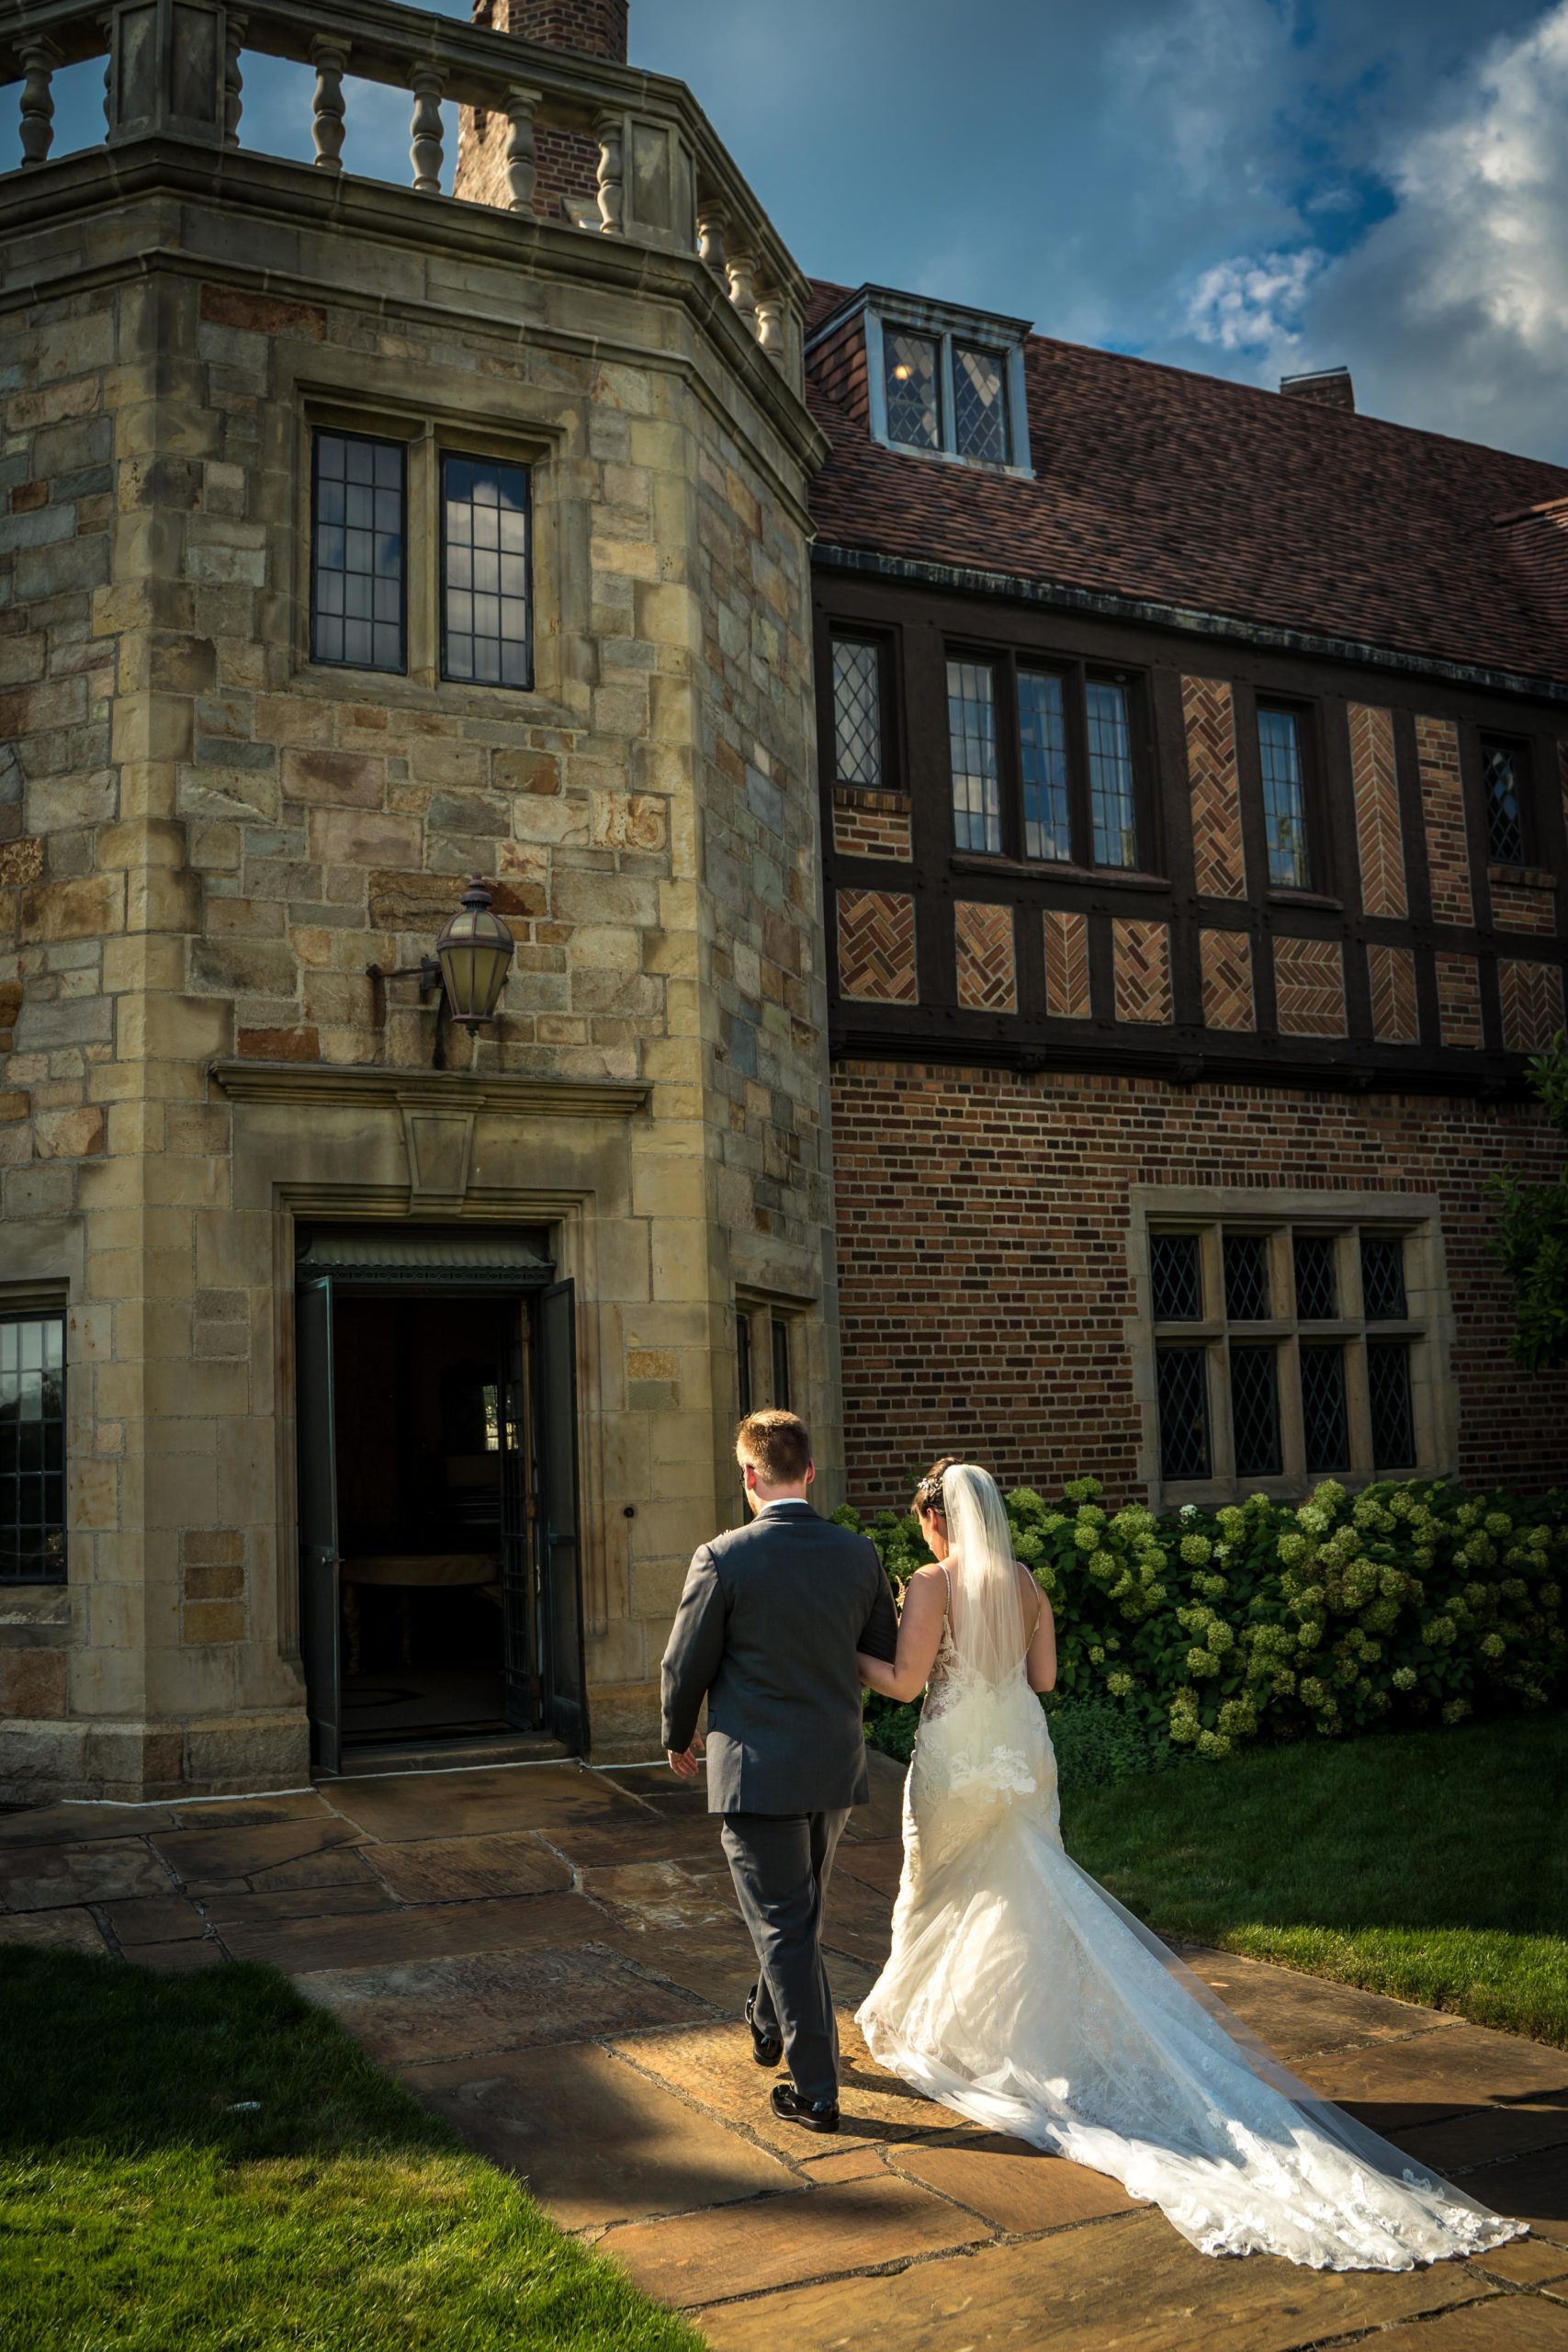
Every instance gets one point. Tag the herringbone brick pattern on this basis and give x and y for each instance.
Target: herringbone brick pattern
(1392, 971)
(1459, 998)
(872, 824)
(1376, 783)
(1309, 988)
(1442, 810)
(1143, 970)
(1067, 965)
(1218, 864)
(1532, 1003)
(988, 981)
(1226, 958)
(876, 946)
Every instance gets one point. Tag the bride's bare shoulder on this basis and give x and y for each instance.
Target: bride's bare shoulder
(932, 1573)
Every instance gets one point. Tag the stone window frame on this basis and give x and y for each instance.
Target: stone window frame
(427, 432)
(763, 1315)
(947, 325)
(36, 1302)
(1274, 1212)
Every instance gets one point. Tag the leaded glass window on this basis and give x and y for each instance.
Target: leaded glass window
(1382, 1277)
(914, 388)
(1043, 753)
(1176, 1281)
(857, 712)
(1246, 1277)
(1254, 1411)
(360, 502)
(1388, 1393)
(32, 1449)
(1317, 1288)
(1111, 790)
(979, 401)
(1323, 1421)
(1284, 799)
(1183, 1385)
(1502, 763)
(484, 571)
(972, 735)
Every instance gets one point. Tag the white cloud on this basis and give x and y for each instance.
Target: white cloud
(1255, 306)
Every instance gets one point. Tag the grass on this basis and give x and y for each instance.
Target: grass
(1430, 1865)
(144, 2206)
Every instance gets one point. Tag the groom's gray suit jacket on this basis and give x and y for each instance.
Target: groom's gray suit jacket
(767, 1630)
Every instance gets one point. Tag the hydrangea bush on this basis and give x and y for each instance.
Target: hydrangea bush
(1404, 1604)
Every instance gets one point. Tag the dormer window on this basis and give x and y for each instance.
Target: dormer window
(940, 381)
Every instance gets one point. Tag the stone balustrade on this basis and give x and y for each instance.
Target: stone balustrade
(174, 71)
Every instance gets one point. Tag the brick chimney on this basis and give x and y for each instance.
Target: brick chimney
(596, 27)
(1329, 387)
(568, 160)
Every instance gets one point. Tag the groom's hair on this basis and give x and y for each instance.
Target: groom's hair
(776, 1444)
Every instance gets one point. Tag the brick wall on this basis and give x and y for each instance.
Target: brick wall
(985, 1285)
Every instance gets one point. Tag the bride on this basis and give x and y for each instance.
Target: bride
(1023, 1995)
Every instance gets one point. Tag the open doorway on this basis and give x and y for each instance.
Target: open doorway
(437, 1490)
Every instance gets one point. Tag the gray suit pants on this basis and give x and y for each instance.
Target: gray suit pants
(781, 1864)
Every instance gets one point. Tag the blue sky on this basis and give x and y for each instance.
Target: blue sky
(1245, 186)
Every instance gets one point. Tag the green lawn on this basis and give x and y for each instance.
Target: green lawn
(1431, 1865)
(143, 2206)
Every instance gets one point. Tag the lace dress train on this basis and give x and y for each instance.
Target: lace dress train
(1024, 1997)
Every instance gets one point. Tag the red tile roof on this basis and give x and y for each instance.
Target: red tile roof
(1192, 493)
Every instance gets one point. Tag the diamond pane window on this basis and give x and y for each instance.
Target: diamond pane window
(1382, 1278)
(1111, 775)
(1505, 817)
(1176, 1277)
(1388, 1390)
(914, 397)
(32, 1449)
(979, 403)
(972, 735)
(1246, 1277)
(359, 505)
(484, 569)
(1284, 799)
(1317, 1291)
(1183, 1383)
(1043, 751)
(1254, 1411)
(857, 712)
(1324, 1419)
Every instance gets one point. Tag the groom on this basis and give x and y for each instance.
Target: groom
(767, 1630)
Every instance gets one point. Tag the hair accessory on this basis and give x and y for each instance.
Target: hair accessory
(928, 1494)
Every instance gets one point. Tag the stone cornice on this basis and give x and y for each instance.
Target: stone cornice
(321, 1086)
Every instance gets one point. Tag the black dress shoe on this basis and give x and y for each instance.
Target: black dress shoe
(767, 2049)
(812, 2115)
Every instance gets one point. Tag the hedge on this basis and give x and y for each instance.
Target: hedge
(1404, 1604)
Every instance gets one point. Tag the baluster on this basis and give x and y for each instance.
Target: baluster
(427, 83)
(330, 59)
(39, 58)
(521, 157)
(742, 269)
(711, 226)
(611, 190)
(771, 331)
(233, 81)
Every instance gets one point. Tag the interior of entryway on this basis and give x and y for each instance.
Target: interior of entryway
(437, 1490)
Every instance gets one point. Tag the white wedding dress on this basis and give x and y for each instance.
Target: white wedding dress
(1023, 1996)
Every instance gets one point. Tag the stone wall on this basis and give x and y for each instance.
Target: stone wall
(985, 1277)
(206, 840)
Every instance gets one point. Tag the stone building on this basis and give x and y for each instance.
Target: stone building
(1158, 918)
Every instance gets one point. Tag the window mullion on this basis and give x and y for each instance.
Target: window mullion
(1292, 1432)
(947, 423)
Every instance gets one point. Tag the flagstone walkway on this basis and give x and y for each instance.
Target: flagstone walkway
(551, 1957)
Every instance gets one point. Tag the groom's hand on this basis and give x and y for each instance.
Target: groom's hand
(683, 1764)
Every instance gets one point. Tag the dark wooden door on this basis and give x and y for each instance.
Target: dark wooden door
(559, 1543)
(319, 1619)
(521, 1582)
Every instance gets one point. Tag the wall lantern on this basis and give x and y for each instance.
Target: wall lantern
(473, 955)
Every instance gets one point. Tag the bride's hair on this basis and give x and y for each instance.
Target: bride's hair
(985, 1611)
